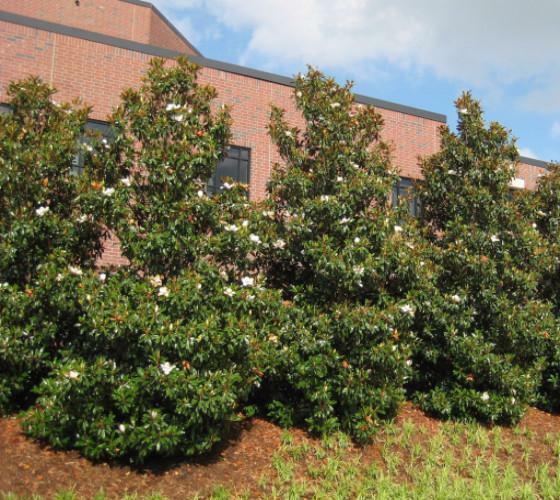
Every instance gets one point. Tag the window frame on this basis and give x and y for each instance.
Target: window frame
(405, 188)
(216, 185)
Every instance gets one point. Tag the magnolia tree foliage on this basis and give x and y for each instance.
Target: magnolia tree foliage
(544, 206)
(167, 143)
(46, 222)
(343, 257)
(160, 371)
(171, 346)
(484, 334)
(45, 212)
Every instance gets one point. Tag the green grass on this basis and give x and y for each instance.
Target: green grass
(456, 461)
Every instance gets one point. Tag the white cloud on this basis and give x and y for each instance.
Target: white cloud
(528, 152)
(487, 43)
(555, 130)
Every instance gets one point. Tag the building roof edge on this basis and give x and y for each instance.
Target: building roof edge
(534, 162)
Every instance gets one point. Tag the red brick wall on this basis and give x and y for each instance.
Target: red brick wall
(531, 174)
(110, 17)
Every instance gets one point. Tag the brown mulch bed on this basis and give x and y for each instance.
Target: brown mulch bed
(27, 467)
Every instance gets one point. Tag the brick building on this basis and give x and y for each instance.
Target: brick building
(92, 49)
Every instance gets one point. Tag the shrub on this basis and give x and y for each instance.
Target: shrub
(46, 222)
(156, 374)
(345, 260)
(170, 348)
(544, 208)
(484, 334)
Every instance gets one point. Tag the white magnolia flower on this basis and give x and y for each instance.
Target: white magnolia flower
(163, 291)
(229, 292)
(166, 368)
(179, 118)
(198, 286)
(299, 93)
(541, 213)
(455, 298)
(407, 309)
(451, 172)
(280, 243)
(72, 374)
(335, 105)
(88, 148)
(534, 224)
(355, 165)
(227, 185)
(127, 181)
(245, 223)
(247, 281)
(200, 193)
(59, 278)
(344, 220)
(464, 111)
(76, 271)
(408, 362)
(153, 414)
(155, 281)
(102, 277)
(357, 240)
(325, 197)
(82, 218)
(398, 229)
(359, 270)
(494, 239)
(231, 228)
(42, 211)
(485, 396)
(268, 213)
(108, 191)
(340, 179)
(410, 245)
(122, 428)
(172, 106)
(512, 401)
(288, 133)
(254, 238)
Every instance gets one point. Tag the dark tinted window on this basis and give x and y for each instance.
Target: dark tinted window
(405, 190)
(96, 127)
(235, 165)
(5, 109)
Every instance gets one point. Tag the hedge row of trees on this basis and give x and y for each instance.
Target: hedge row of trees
(322, 306)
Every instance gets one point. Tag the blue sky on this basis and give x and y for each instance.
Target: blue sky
(418, 53)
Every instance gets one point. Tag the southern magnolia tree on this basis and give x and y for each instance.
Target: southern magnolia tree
(545, 208)
(44, 208)
(344, 258)
(46, 223)
(171, 346)
(484, 335)
(167, 143)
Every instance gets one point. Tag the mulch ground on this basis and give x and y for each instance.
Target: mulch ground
(28, 468)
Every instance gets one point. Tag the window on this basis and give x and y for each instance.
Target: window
(405, 189)
(5, 109)
(236, 165)
(91, 126)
